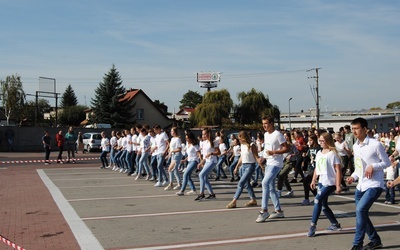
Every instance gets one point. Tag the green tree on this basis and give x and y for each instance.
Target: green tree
(72, 116)
(253, 105)
(393, 105)
(28, 112)
(12, 96)
(191, 99)
(216, 107)
(109, 105)
(68, 98)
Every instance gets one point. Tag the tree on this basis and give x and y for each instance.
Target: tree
(393, 105)
(12, 95)
(108, 105)
(68, 99)
(191, 99)
(28, 111)
(72, 116)
(252, 107)
(216, 107)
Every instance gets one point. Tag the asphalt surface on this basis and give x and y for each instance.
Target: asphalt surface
(79, 206)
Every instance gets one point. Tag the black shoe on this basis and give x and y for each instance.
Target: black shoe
(200, 197)
(210, 197)
(217, 179)
(373, 245)
(224, 177)
(357, 248)
(293, 181)
(254, 184)
(232, 179)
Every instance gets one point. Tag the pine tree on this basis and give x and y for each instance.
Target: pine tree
(108, 105)
(68, 99)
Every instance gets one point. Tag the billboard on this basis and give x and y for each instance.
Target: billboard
(208, 77)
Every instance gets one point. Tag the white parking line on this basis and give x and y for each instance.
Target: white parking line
(122, 197)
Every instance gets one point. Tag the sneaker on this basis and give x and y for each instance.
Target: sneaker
(46, 163)
(151, 179)
(291, 172)
(263, 216)
(169, 187)
(61, 162)
(180, 193)
(165, 183)
(102, 167)
(373, 245)
(158, 184)
(177, 187)
(277, 214)
(389, 203)
(334, 227)
(211, 197)
(311, 231)
(306, 202)
(293, 181)
(137, 177)
(125, 171)
(121, 170)
(200, 197)
(109, 166)
(357, 247)
(191, 192)
(289, 194)
(251, 203)
(231, 205)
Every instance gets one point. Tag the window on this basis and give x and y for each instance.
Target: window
(139, 114)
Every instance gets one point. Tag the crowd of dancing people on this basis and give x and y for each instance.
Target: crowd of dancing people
(319, 159)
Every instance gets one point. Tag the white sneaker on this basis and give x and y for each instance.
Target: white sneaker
(158, 184)
(169, 187)
(113, 169)
(164, 183)
(121, 170)
(191, 192)
(289, 194)
(125, 171)
(263, 216)
(109, 166)
(177, 187)
(180, 193)
(275, 215)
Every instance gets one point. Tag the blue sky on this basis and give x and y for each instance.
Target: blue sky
(159, 45)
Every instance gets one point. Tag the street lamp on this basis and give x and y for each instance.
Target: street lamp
(290, 123)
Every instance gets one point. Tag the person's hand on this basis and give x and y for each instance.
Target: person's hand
(349, 180)
(369, 172)
(312, 185)
(389, 184)
(338, 190)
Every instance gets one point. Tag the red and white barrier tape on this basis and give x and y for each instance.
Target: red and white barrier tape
(10, 243)
(43, 161)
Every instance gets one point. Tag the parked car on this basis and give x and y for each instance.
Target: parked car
(91, 141)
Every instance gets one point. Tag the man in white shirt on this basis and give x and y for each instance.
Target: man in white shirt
(162, 145)
(274, 146)
(370, 159)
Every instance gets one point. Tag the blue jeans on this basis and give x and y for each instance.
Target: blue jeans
(364, 201)
(268, 188)
(187, 176)
(112, 155)
(122, 159)
(128, 161)
(390, 194)
(233, 165)
(103, 158)
(203, 176)
(259, 173)
(220, 162)
(321, 203)
(153, 164)
(162, 175)
(244, 182)
(177, 158)
(117, 160)
(143, 164)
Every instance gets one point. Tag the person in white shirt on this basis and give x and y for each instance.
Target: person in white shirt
(210, 151)
(193, 159)
(370, 159)
(113, 145)
(129, 150)
(235, 155)
(247, 162)
(274, 147)
(175, 148)
(105, 148)
(144, 153)
(392, 173)
(221, 159)
(328, 169)
(153, 158)
(162, 145)
(344, 152)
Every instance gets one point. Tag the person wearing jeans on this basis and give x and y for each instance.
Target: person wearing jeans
(370, 159)
(161, 148)
(105, 148)
(247, 164)
(274, 146)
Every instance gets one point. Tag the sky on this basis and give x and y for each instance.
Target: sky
(159, 46)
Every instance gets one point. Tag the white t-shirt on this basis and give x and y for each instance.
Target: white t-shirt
(134, 140)
(161, 142)
(340, 147)
(247, 154)
(153, 145)
(236, 150)
(114, 141)
(325, 167)
(208, 148)
(175, 143)
(105, 144)
(273, 141)
(129, 142)
(222, 148)
(192, 152)
(144, 143)
(124, 143)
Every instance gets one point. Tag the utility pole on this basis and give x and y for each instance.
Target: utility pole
(317, 94)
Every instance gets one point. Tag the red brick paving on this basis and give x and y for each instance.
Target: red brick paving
(28, 215)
